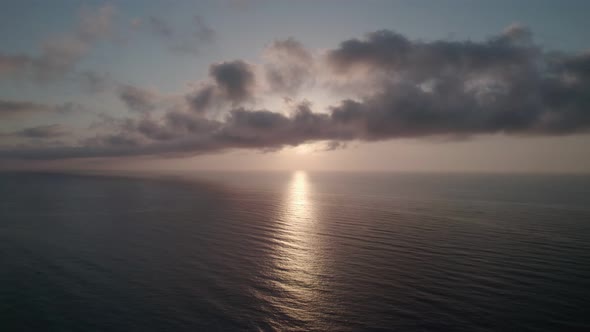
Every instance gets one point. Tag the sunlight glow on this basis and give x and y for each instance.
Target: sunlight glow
(298, 192)
(303, 149)
(296, 256)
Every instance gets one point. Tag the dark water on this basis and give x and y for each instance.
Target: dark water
(294, 251)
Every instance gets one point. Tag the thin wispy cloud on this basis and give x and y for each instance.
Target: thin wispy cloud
(189, 39)
(60, 53)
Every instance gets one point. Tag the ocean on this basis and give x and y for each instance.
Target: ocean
(294, 251)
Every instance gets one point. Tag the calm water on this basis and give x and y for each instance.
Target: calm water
(294, 251)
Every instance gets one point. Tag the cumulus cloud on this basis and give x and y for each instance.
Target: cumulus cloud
(183, 133)
(235, 79)
(138, 99)
(506, 84)
(386, 56)
(231, 83)
(289, 66)
(203, 98)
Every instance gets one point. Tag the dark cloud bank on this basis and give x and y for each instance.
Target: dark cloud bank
(450, 89)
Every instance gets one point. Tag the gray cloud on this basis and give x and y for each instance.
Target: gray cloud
(138, 99)
(235, 79)
(184, 41)
(69, 107)
(289, 67)
(449, 89)
(181, 133)
(59, 54)
(46, 131)
(202, 32)
(204, 98)
(10, 108)
(416, 61)
(159, 27)
(94, 82)
(332, 146)
(505, 84)
(13, 64)
(232, 82)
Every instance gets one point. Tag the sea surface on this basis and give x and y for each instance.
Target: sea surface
(280, 251)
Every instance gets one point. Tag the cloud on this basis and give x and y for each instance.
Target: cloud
(138, 99)
(332, 146)
(11, 108)
(204, 98)
(94, 82)
(290, 66)
(440, 89)
(202, 31)
(182, 133)
(231, 83)
(69, 107)
(416, 60)
(13, 64)
(159, 27)
(95, 23)
(235, 79)
(184, 41)
(14, 109)
(505, 84)
(46, 131)
(59, 54)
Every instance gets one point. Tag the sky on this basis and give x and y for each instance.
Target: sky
(460, 85)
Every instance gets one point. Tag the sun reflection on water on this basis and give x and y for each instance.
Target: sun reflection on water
(297, 265)
(299, 209)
